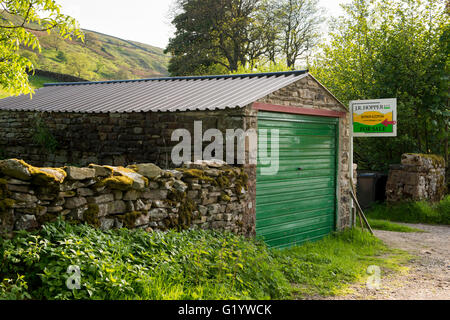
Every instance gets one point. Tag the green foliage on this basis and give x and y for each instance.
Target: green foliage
(392, 48)
(77, 64)
(61, 56)
(24, 18)
(128, 264)
(42, 135)
(414, 212)
(35, 81)
(217, 37)
(389, 226)
(263, 66)
(134, 264)
(14, 289)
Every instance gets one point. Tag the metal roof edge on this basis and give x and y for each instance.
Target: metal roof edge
(230, 76)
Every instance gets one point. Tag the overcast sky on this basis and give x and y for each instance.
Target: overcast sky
(145, 21)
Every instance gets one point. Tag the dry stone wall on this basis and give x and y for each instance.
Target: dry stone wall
(418, 177)
(207, 195)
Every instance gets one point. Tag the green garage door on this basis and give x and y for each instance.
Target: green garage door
(298, 203)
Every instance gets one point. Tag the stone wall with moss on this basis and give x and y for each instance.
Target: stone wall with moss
(207, 195)
(418, 177)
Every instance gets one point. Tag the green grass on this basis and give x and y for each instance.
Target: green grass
(327, 267)
(39, 81)
(133, 264)
(413, 212)
(390, 226)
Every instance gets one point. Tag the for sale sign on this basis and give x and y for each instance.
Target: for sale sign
(374, 118)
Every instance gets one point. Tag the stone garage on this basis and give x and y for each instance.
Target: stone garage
(120, 123)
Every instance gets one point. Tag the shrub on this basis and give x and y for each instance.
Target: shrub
(193, 264)
(413, 212)
(133, 264)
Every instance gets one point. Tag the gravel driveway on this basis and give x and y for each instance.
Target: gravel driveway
(429, 273)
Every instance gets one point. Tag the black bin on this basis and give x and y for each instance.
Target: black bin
(371, 188)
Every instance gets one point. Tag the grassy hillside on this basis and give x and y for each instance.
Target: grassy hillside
(100, 57)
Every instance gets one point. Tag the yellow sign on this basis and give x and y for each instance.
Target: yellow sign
(374, 118)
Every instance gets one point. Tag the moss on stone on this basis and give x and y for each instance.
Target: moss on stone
(223, 181)
(168, 174)
(186, 214)
(43, 176)
(49, 217)
(146, 181)
(225, 197)
(69, 194)
(121, 183)
(6, 217)
(3, 188)
(196, 173)
(6, 204)
(437, 160)
(119, 179)
(185, 210)
(241, 183)
(129, 219)
(91, 215)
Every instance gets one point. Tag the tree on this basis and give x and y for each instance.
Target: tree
(225, 35)
(392, 48)
(79, 64)
(20, 18)
(299, 21)
(214, 32)
(61, 56)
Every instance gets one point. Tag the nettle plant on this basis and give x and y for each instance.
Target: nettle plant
(42, 134)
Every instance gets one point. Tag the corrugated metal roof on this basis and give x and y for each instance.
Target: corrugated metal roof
(156, 94)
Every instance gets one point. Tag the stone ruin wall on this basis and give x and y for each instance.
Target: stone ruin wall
(418, 177)
(206, 195)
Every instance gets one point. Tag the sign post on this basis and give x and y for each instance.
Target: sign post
(372, 118)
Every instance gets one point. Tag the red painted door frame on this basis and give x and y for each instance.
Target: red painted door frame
(298, 110)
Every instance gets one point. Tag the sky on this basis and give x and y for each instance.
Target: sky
(145, 21)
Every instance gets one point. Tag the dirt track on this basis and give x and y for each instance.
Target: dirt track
(429, 275)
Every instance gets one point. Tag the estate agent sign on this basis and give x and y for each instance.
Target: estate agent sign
(374, 118)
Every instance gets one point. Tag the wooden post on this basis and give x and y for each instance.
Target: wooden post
(358, 207)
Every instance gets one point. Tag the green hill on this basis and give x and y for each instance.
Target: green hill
(99, 57)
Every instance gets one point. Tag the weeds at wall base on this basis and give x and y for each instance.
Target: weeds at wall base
(192, 264)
